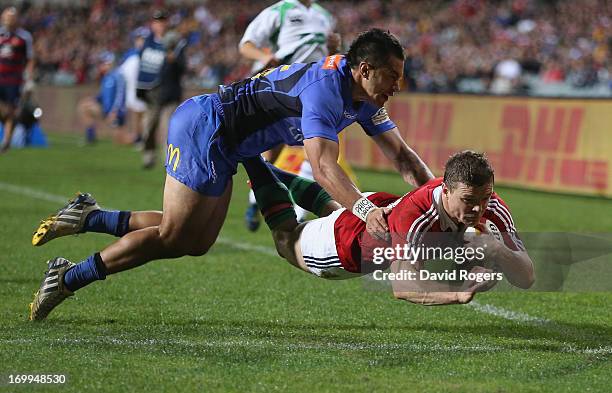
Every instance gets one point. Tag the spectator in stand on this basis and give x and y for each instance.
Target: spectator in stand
(552, 72)
(453, 45)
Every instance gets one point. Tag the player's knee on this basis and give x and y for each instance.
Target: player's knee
(83, 105)
(178, 243)
(197, 249)
(283, 241)
(5, 111)
(330, 207)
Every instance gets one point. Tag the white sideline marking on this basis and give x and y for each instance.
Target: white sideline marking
(476, 306)
(484, 308)
(289, 346)
(255, 343)
(506, 314)
(32, 193)
(247, 246)
(36, 194)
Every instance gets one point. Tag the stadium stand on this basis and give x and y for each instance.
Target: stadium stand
(548, 48)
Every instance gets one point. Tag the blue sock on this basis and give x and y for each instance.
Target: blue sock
(90, 134)
(113, 222)
(90, 270)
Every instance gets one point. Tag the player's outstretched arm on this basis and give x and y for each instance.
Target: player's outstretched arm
(433, 293)
(517, 266)
(333, 43)
(252, 52)
(406, 161)
(323, 156)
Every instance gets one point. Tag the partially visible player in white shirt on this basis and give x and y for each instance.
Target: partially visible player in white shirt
(129, 69)
(287, 32)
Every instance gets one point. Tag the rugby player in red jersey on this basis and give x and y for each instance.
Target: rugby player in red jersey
(16, 65)
(434, 215)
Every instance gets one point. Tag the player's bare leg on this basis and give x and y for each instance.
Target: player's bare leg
(90, 113)
(435, 293)
(144, 219)
(272, 188)
(190, 224)
(7, 114)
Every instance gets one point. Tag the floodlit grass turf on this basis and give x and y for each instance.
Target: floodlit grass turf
(239, 320)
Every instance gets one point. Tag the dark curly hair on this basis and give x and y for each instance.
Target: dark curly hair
(468, 167)
(374, 46)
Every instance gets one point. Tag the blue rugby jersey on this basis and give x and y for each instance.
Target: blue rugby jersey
(152, 57)
(291, 103)
(112, 93)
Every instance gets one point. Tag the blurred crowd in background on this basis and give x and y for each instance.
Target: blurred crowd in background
(525, 47)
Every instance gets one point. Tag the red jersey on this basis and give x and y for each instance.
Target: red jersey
(15, 51)
(412, 217)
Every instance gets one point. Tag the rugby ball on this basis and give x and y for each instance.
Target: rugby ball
(486, 226)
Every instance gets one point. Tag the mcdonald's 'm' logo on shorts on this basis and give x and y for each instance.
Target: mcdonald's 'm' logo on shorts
(174, 154)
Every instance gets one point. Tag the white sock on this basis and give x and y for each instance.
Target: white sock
(300, 213)
(306, 170)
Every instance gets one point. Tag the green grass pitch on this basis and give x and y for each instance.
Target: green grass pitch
(241, 319)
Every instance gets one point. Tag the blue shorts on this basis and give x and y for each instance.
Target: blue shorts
(10, 94)
(194, 155)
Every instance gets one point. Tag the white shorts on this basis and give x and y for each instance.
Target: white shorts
(318, 245)
(129, 70)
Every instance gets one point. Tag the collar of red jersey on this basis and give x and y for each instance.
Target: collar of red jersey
(445, 221)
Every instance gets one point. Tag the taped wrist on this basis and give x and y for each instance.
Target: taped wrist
(362, 207)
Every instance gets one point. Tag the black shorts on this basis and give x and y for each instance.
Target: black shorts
(10, 94)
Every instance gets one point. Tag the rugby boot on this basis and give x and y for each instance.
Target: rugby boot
(69, 220)
(52, 290)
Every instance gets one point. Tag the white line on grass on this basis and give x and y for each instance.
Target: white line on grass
(247, 246)
(32, 193)
(484, 308)
(506, 314)
(344, 346)
(255, 343)
(45, 196)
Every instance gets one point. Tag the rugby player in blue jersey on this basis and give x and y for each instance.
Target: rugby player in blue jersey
(210, 134)
(109, 104)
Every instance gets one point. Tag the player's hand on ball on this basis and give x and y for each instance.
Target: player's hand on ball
(376, 223)
(480, 238)
(464, 297)
(473, 286)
